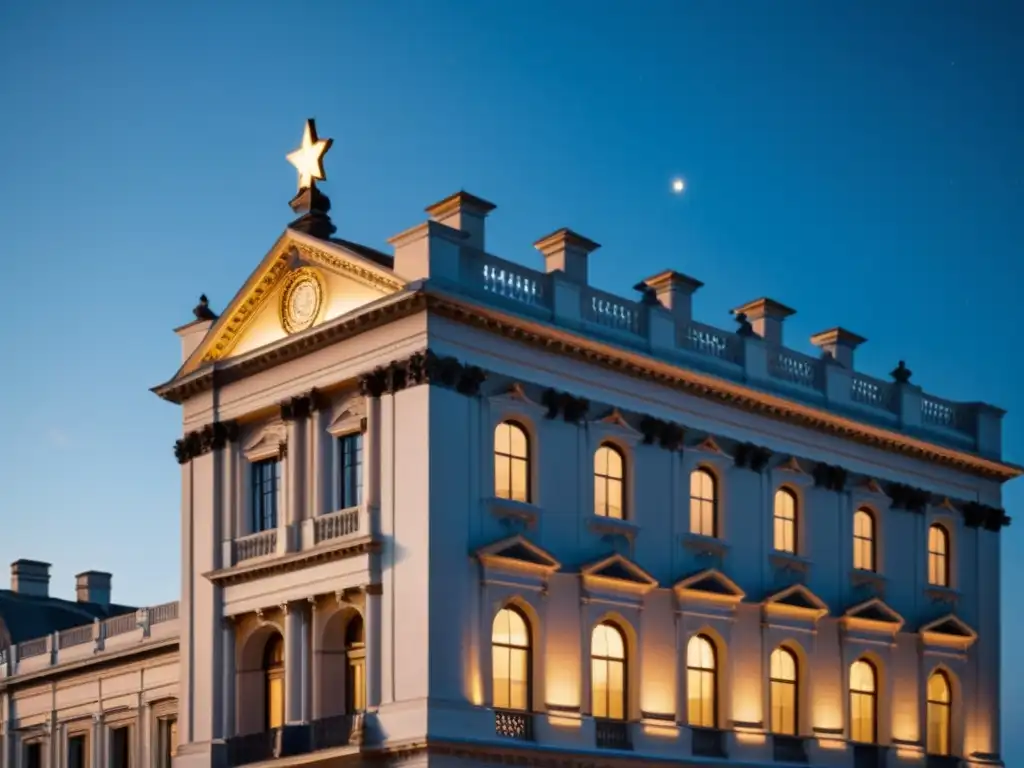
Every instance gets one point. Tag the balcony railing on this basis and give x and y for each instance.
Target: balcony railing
(37, 647)
(119, 625)
(612, 734)
(292, 740)
(335, 525)
(513, 725)
(69, 638)
(788, 749)
(256, 545)
(337, 731)
(708, 742)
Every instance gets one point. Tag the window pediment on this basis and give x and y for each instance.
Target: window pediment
(710, 585)
(613, 423)
(516, 398)
(795, 602)
(518, 554)
(948, 631)
(617, 573)
(267, 442)
(349, 420)
(710, 446)
(873, 616)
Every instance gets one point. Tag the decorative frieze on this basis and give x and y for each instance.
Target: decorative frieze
(752, 457)
(664, 433)
(907, 497)
(423, 368)
(573, 409)
(201, 441)
(830, 477)
(983, 516)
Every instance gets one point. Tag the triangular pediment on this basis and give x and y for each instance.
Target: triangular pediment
(870, 485)
(791, 464)
(948, 631)
(873, 613)
(615, 419)
(796, 600)
(266, 443)
(619, 570)
(710, 584)
(518, 551)
(517, 396)
(709, 445)
(332, 278)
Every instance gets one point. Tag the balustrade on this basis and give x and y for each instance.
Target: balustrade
(513, 725)
(75, 636)
(335, 525)
(612, 734)
(256, 545)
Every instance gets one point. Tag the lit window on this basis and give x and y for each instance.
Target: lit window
(608, 482)
(355, 671)
(510, 660)
(608, 672)
(273, 693)
(938, 556)
(863, 701)
(863, 540)
(266, 483)
(785, 521)
(939, 714)
(703, 503)
(783, 684)
(701, 682)
(350, 471)
(511, 462)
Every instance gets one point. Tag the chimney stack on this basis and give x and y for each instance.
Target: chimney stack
(30, 577)
(93, 587)
(192, 334)
(567, 251)
(766, 316)
(464, 212)
(840, 343)
(675, 292)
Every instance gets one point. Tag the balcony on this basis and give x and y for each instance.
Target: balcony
(708, 742)
(612, 734)
(788, 749)
(292, 740)
(513, 725)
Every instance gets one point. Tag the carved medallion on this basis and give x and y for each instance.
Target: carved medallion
(301, 300)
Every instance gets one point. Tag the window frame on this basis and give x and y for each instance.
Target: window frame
(711, 672)
(609, 662)
(33, 742)
(945, 555)
(947, 709)
(792, 686)
(526, 650)
(793, 522)
(609, 479)
(512, 459)
(713, 502)
(83, 733)
(273, 671)
(871, 540)
(257, 516)
(126, 728)
(338, 483)
(869, 696)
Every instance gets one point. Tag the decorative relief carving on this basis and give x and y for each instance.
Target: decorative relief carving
(198, 442)
(980, 515)
(907, 497)
(423, 368)
(831, 477)
(664, 433)
(752, 457)
(572, 408)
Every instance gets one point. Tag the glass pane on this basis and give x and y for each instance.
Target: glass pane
(601, 461)
(616, 645)
(275, 701)
(519, 480)
(938, 688)
(615, 499)
(519, 678)
(518, 441)
(616, 690)
(518, 634)
(599, 688)
(500, 676)
(600, 502)
(599, 641)
(503, 439)
(500, 632)
(614, 463)
(938, 729)
(502, 479)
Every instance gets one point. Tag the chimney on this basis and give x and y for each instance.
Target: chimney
(675, 292)
(30, 577)
(766, 316)
(464, 212)
(566, 251)
(840, 343)
(192, 334)
(93, 587)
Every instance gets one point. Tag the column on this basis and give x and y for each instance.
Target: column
(228, 679)
(373, 645)
(371, 463)
(293, 512)
(306, 702)
(294, 686)
(96, 740)
(315, 463)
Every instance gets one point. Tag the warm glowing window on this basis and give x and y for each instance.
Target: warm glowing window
(511, 462)
(863, 701)
(785, 521)
(703, 503)
(863, 540)
(783, 684)
(938, 556)
(608, 482)
(510, 660)
(608, 672)
(701, 682)
(355, 671)
(273, 670)
(939, 714)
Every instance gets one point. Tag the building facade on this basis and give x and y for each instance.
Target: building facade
(441, 508)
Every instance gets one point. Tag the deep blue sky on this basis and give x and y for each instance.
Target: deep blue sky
(861, 162)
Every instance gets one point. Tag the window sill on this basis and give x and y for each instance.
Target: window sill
(514, 511)
(872, 579)
(704, 545)
(611, 526)
(939, 594)
(787, 561)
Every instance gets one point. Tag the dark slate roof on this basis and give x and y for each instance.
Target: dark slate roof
(366, 252)
(27, 617)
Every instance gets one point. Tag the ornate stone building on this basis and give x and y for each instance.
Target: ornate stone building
(441, 508)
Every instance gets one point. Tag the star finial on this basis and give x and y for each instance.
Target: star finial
(309, 158)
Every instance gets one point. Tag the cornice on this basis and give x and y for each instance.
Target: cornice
(295, 561)
(199, 442)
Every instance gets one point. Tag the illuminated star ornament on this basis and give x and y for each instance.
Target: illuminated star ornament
(678, 185)
(309, 158)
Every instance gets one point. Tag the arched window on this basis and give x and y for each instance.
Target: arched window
(273, 675)
(863, 701)
(511, 462)
(703, 503)
(510, 660)
(701, 682)
(863, 540)
(940, 701)
(938, 556)
(355, 671)
(609, 471)
(783, 684)
(608, 672)
(785, 521)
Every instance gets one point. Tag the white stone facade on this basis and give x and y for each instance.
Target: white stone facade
(381, 561)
